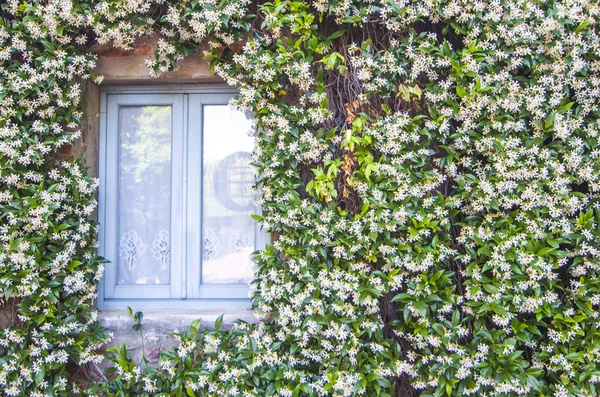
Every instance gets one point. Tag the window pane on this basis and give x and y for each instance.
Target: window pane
(144, 209)
(227, 202)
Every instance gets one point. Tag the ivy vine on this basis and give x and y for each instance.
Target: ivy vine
(429, 172)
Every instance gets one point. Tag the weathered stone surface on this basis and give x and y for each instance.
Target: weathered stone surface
(171, 320)
(119, 66)
(88, 144)
(157, 325)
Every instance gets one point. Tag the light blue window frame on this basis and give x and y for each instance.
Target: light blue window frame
(186, 289)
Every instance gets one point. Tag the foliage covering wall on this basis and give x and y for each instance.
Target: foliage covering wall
(429, 170)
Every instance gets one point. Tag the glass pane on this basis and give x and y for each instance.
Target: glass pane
(227, 202)
(144, 209)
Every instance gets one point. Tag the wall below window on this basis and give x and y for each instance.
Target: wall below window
(157, 325)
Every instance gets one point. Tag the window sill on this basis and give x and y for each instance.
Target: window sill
(165, 321)
(157, 326)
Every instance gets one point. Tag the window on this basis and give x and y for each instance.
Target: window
(175, 199)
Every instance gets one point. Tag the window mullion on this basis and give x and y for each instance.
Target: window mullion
(185, 154)
(177, 199)
(194, 194)
(110, 246)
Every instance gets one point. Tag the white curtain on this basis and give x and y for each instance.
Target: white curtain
(144, 209)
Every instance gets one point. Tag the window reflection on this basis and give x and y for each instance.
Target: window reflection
(227, 227)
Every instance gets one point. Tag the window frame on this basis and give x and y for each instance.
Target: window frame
(185, 289)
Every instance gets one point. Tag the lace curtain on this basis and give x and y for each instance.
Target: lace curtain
(144, 208)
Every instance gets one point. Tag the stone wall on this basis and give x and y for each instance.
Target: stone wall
(157, 326)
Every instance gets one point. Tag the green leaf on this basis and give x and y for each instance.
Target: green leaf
(195, 325)
(336, 34)
(553, 243)
(583, 25)
(472, 46)
(544, 251)
(257, 218)
(421, 307)
(218, 322)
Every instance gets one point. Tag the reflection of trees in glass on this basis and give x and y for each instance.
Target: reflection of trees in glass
(146, 140)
